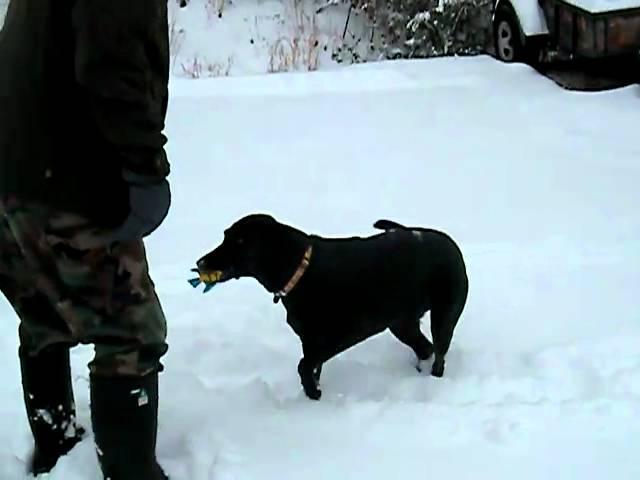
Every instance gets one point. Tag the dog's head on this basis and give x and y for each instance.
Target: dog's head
(246, 247)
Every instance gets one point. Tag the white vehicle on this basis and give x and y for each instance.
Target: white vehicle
(537, 30)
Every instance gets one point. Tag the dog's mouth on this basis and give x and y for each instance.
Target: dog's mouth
(210, 278)
(214, 276)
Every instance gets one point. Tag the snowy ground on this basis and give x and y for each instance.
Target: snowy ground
(538, 185)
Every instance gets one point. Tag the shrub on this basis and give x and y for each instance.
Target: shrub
(421, 28)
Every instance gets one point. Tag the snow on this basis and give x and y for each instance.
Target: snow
(600, 6)
(3, 9)
(539, 187)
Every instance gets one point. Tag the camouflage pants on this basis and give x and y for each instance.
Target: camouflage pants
(69, 285)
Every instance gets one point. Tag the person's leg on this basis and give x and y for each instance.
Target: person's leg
(43, 352)
(102, 294)
(122, 316)
(49, 402)
(124, 372)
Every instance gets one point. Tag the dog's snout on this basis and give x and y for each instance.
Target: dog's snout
(201, 263)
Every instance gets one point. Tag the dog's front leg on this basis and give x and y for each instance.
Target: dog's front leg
(309, 369)
(316, 374)
(309, 377)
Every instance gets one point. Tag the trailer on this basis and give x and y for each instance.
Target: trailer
(535, 31)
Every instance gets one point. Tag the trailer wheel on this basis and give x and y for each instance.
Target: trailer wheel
(506, 35)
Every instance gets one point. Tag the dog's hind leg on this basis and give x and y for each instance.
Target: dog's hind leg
(444, 318)
(409, 333)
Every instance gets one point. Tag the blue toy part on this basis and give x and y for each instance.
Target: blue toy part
(194, 282)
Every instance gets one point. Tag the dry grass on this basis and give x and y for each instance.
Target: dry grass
(287, 54)
(176, 39)
(301, 48)
(197, 68)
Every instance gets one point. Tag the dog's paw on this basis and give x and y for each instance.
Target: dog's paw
(310, 379)
(437, 370)
(313, 393)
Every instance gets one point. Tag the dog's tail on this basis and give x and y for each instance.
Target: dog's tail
(384, 224)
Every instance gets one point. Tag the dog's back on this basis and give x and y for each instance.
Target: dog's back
(400, 270)
(436, 250)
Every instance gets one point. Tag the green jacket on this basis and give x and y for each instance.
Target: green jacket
(83, 95)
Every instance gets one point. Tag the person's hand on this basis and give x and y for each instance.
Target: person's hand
(149, 202)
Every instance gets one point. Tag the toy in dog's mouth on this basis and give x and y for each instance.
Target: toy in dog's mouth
(210, 279)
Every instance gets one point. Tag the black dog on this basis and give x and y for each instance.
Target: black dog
(338, 292)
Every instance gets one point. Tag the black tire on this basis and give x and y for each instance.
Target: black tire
(507, 35)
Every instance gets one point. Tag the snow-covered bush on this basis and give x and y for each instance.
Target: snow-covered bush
(421, 28)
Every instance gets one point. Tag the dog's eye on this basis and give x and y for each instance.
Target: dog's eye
(239, 241)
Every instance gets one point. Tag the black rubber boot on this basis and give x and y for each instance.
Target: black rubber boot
(49, 402)
(124, 414)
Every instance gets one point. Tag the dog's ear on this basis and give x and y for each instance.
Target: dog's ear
(384, 224)
(258, 217)
(268, 218)
(251, 220)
